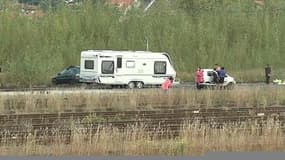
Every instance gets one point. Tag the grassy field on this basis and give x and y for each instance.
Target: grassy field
(143, 100)
(194, 139)
(239, 35)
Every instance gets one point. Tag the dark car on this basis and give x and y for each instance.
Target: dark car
(69, 75)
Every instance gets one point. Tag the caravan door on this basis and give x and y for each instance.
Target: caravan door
(118, 69)
(119, 64)
(107, 71)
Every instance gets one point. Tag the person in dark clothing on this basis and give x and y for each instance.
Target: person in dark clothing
(222, 75)
(215, 76)
(267, 73)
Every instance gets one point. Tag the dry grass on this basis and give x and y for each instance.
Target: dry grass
(194, 139)
(143, 99)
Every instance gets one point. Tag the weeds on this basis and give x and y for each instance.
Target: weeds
(195, 138)
(142, 100)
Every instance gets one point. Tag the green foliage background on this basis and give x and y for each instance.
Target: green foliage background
(237, 34)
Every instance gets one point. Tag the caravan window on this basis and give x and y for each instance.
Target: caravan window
(107, 67)
(89, 64)
(159, 67)
(119, 62)
(130, 64)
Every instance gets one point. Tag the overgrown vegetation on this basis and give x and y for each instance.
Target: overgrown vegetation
(239, 35)
(141, 100)
(194, 139)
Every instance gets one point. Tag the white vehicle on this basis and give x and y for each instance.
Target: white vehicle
(229, 81)
(125, 68)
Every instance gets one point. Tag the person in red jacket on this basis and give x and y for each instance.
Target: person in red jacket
(199, 77)
(167, 84)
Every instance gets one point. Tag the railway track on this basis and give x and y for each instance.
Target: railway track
(110, 116)
(164, 121)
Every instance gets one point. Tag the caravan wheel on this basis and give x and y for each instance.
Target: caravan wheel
(131, 85)
(140, 84)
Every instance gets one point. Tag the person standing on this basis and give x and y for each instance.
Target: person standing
(222, 75)
(167, 84)
(199, 77)
(267, 73)
(216, 78)
(217, 67)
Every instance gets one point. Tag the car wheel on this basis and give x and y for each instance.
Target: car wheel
(230, 86)
(131, 85)
(54, 82)
(140, 84)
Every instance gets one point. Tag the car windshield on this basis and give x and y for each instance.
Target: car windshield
(63, 71)
(76, 70)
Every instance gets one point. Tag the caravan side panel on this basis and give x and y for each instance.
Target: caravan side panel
(89, 67)
(122, 67)
(150, 71)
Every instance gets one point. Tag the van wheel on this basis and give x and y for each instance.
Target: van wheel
(131, 85)
(140, 84)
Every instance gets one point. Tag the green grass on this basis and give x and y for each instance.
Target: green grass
(239, 35)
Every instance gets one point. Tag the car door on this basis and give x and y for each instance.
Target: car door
(208, 77)
(74, 75)
(65, 76)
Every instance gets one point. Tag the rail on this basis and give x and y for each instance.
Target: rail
(165, 122)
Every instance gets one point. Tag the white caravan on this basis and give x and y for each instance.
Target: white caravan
(125, 68)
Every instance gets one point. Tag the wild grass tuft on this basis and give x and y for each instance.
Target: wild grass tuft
(195, 138)
(149, 99)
